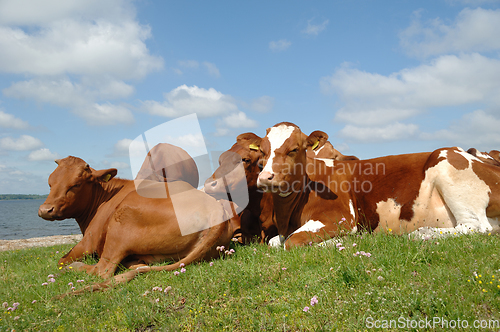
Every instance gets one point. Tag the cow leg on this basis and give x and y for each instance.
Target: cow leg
(80, 250)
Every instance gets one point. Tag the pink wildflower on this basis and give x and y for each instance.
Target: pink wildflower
(167, 289)
(306, 309)
(182, 265)
(283, 268)
(52, 280)
(314, 300)
(45, 284)
(338, 245)
(183, 270)
(341, 248)
(176, 273)
(33, 302)
(354, 244)
(211, 264)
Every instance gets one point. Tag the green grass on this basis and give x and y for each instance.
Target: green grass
(264, 289)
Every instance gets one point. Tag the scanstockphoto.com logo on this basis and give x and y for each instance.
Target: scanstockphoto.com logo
(431, 323)
(171, 160)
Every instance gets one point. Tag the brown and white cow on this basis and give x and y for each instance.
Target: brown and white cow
(445, 189)
(492, 157)
(257, 217)
(121, 226)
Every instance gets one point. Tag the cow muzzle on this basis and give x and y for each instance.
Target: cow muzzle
(47, 212)
(215, 187)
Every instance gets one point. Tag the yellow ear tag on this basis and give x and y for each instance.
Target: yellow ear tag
(253, 147)
(107, 177)
(315, 145)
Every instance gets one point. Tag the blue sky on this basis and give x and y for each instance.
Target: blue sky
(380, 77)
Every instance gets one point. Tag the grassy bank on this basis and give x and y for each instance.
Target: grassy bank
(375, 281)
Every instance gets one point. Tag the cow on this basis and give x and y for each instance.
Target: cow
(447, 189)
(492, 157)
(123, 226)
(257, 217)
(166, 162)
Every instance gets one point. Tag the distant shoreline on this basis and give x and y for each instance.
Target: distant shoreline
(13, 197)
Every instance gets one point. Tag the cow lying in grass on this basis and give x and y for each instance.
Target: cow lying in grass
(121, 226)
(447, 189)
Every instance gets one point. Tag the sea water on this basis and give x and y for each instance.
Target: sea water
(19, 220)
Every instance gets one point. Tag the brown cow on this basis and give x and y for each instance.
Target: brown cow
(120, 225)
(257, 217)
(448, 189)
(492, 157)
(323, 149)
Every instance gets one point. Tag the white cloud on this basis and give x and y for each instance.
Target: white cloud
(119, 165)
(65, 93)
(43, 154)
(212, 69)
(121, 147)
(79, 55)
(90, 48)
(315, 29)
(280, 45)
(188, 63)
(446, 81)
(391, 132)
(9, 121)
(237, 120)
(106, 114)
(23, 143)
(474, 30)
(476, 129)
(262, 104)
(33, 12)
(185, 100)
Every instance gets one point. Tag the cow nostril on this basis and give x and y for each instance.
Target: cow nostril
(214, 183)
(270, 177)
(50, 210)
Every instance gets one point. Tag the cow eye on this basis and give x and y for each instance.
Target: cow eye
(294, 151)
(246, 160)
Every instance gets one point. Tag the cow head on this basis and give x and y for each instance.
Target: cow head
(228, 178)
(71, 186)
(283, 159)
(322, 148)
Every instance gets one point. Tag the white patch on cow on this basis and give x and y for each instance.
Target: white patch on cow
(277, 137)
(275, 242)
(318, 150)
(465, 194)
(329, 243)
(351, 208)
(328, 162)
(313, 226)
(468, 156)
(448, 198)
(354, 230)
(485, 156)
(443, 154)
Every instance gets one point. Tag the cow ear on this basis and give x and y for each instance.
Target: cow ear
(105, 175)
(316, 140)
(250, 139)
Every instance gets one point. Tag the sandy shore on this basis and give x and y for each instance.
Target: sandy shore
(46, 241)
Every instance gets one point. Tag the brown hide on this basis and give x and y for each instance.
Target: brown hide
(447, 188)
(256, 218)
(119, 225)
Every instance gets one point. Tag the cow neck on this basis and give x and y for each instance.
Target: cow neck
(288, 210)
(101, 193)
